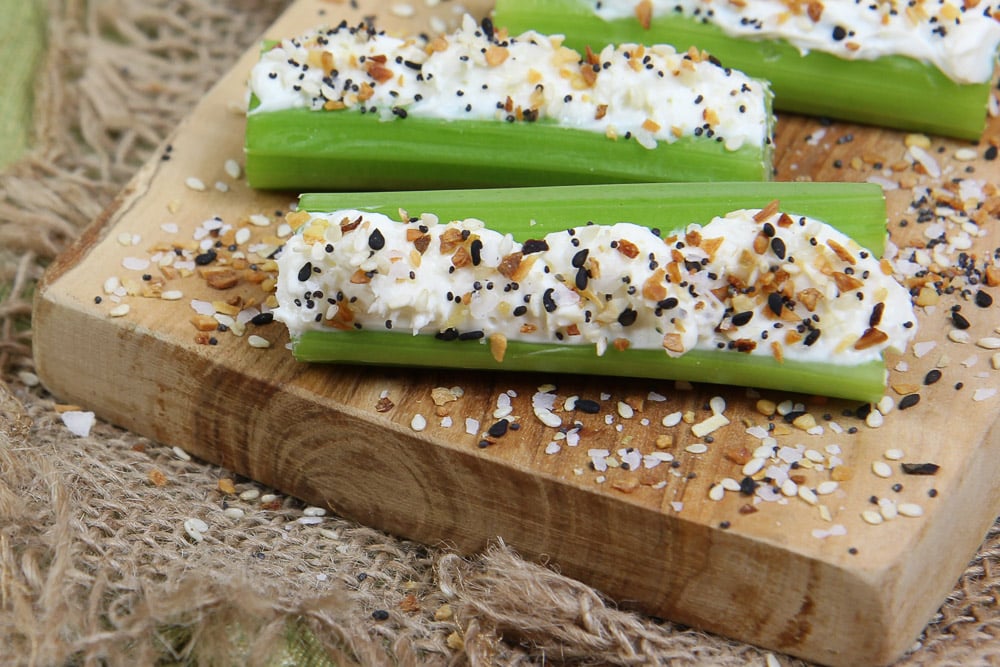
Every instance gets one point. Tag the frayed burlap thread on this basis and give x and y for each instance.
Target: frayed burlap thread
(96, 564)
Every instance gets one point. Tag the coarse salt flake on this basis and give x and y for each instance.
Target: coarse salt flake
(552, 448)
(471, 426)
(78, 422)
(984, 393)
(418, 423)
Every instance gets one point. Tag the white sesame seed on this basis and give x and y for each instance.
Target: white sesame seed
(172, 295)
(548, 417)
(958, 336)
(696, 448)
(881, 469)
(552, 448)
(181, 454)
(814, 456)
(259, 220)
(965, 154)
(258, 342)
(672, 419)
(887, 508)
(753, 466)
(312, 510)
(195, 183)
(418, 423)
(222, 186)
(806, 494)
(995, 361)
(893, 454)
(403, 10)
(910, 509)
(729, 484)
(309, 520)
(872, 517)
(789, 488)
(989, 343)
(874, 419)
(234, 513)
(827, 487)
(265, 498)
(886, 404)
(716, 492)
(120, 310)
(242, 235)
(625, 410)
(717, 404)
(233, 169)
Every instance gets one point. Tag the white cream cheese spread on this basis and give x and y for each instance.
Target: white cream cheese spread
(649, 93)
(752, 281)
(959, 38)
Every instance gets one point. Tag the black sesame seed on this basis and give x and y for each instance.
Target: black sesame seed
(932, 376)
(499, 428)
(983, 299)
(909, 401)
(811, 337)
(582, 277)
(627, 317)
(580, 257)
(775, 302)
(778, 247)
(261, 319)
(959, 320)
(375, 240)
(206, 257)
(547, 302)
(380, 615)
(476, 251)
(305, 272)
(839, 33)
(739, 319)
(471, 335)
(587, 406)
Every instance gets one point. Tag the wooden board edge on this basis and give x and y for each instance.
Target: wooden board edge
(418, 479)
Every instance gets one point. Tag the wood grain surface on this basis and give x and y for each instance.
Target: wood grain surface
(803, 575)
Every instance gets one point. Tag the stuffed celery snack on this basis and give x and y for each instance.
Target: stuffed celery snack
(765, 295)
(349, 108)
(917, 66)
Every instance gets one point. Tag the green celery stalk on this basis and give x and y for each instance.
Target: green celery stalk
(346, 150)
(865, 382)
(893, 91)
(857, 209)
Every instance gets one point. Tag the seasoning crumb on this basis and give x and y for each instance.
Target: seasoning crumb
(157, 478)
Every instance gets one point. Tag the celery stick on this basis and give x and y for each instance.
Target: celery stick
(350, 109)
(344, 150)
(892, 91)
(865, 382)
(857, 209)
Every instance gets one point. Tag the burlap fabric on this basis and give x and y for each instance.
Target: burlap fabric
(95, 564)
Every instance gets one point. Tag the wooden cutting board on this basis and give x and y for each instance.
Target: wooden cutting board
(807, 576)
